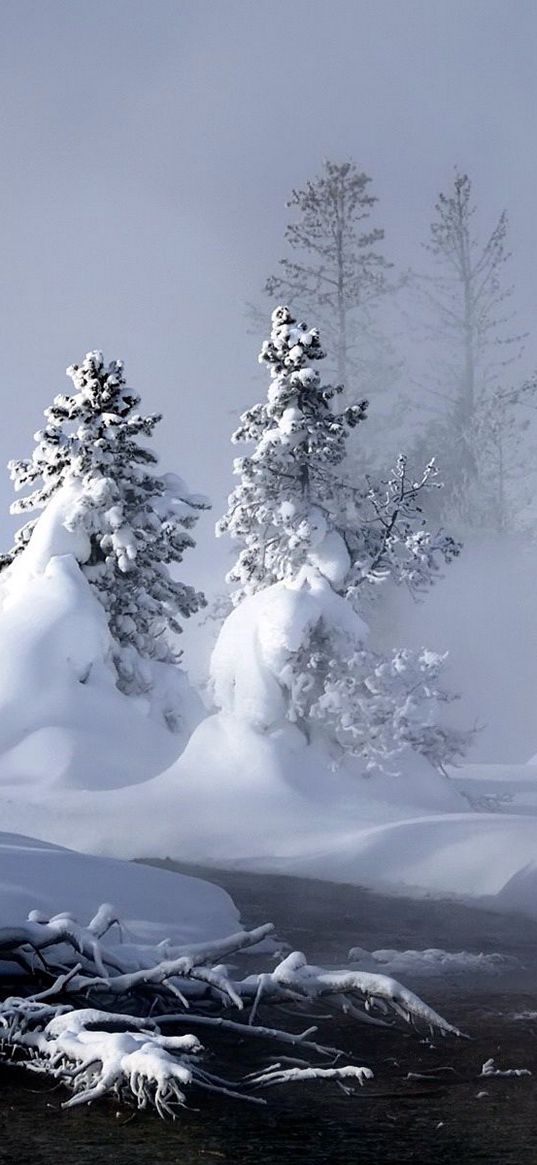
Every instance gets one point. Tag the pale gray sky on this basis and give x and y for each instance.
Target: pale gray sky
(148, 148)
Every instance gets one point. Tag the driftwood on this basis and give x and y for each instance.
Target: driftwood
(91, 1019)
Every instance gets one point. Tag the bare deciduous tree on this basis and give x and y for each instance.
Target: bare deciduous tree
(468, 322)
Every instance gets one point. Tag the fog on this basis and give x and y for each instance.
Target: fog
(148, 151)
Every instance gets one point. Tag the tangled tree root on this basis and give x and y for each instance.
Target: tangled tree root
(117, 1047)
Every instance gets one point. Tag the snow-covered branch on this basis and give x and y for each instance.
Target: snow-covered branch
(326, 540)
(95, 1051)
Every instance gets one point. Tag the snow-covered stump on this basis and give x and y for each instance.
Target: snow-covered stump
(96, 1026)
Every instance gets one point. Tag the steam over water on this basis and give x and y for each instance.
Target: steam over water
(443, 1109)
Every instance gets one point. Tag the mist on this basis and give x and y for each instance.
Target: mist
(309, 226)
(148, 153)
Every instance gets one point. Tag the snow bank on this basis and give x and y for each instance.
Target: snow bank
(76, 757)
(250, 661)
(238, 798)
(62, 719)
(63, 722)
(477, 856)
(432, 963)
(153, 904)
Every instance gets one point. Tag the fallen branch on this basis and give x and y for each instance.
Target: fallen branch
(98, 1050)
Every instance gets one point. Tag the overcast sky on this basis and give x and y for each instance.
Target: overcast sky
(149, 146)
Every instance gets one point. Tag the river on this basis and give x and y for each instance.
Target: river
(453, 1116)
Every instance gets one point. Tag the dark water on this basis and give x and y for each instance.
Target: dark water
(393, 1119)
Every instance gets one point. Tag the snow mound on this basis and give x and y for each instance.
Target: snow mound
(248, 790)
(62, 719)
(239, 799)
(432, 963)
(153, 904)
(250, 661)
(482, 856)
(234, 796)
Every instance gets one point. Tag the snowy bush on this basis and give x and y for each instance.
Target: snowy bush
(304, 657)
(377, 707)
(129, 525)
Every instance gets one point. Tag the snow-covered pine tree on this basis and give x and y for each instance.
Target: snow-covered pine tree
(302, 523)
(277, 509)
(132, 523)
(293, 503)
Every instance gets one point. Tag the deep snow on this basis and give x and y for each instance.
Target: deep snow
(229, 801)
(153, 905)
(85, 766)
(63, 721)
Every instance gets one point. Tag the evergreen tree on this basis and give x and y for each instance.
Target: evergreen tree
(337, 274)
(301, 522)
(137, 523)
(477, 417)
(293, 498)
(297, 433)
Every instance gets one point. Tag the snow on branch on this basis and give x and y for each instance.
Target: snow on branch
(126, 524)
(401, 547)
(68, 1031)
(313, 538)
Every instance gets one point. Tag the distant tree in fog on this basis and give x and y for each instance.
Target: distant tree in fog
(336, 272)
(479, 427)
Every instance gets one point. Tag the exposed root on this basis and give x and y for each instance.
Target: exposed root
(97, 1051)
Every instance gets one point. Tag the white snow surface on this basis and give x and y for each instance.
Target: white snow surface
(258, 638)
(152, 904)
(268, 803)
(84, 766)
(63, 721)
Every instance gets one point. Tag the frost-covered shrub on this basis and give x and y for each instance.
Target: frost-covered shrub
(131, 524)
(298, 652)
(375, 707)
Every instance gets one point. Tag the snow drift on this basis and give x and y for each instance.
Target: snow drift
(84, 765)
(250, 666)
(153, 904)
(63, 721)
